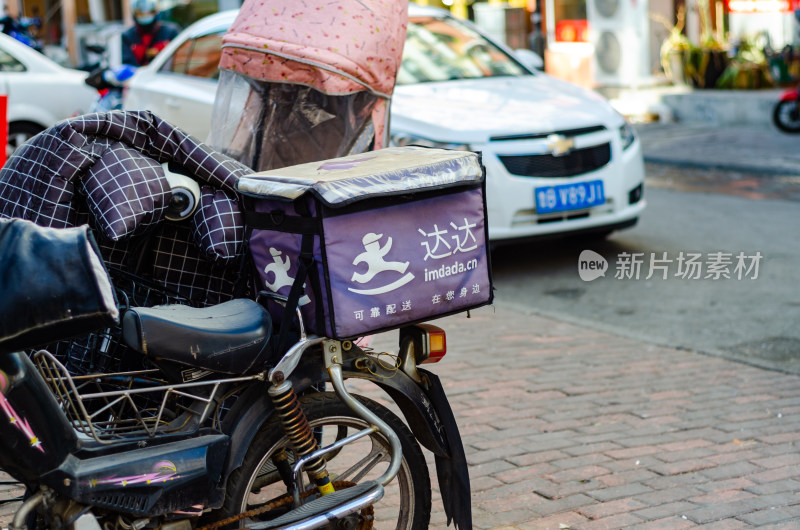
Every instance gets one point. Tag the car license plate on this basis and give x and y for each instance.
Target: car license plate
(577, 196)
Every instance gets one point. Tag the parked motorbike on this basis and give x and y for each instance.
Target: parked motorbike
(208, 438)
(786, 114)
(230, 424)
(109, 81)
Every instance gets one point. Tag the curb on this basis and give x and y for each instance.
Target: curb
(722, 166)
(632, 335)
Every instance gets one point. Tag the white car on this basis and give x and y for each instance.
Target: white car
(40, 92)
(559, 159)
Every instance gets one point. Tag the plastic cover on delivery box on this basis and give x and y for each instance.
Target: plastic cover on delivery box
(373, 241)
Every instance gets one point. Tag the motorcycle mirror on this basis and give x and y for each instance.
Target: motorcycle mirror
(185, 195)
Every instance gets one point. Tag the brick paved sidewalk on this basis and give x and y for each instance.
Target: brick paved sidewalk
(567, 427)
(570, 427)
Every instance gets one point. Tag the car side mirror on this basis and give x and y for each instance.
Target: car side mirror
(529, 59)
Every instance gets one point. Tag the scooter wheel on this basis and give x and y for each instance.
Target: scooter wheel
(406, 504)
(786, 116)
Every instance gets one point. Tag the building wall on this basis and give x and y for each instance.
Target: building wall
(666, 9)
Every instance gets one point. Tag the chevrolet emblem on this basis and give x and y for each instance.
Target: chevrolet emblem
(559, 145)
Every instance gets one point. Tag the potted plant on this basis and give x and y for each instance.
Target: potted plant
(749, 68)
(706, 63)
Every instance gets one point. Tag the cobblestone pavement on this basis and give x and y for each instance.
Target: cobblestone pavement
(569, 427)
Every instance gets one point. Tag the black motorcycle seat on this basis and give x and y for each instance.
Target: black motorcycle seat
(231, 337)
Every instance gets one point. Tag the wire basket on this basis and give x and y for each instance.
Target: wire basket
(136, 291)
(104, 351)
(130, 406)
(100, 351)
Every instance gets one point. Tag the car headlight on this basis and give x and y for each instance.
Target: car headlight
(403, 139)
(626, 135)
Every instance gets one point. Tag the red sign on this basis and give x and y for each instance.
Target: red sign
(572, 31)
(3, 127)
(760, 6)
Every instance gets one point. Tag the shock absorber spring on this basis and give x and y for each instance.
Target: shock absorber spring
(301, 437)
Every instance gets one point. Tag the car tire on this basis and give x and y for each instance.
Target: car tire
(20, 132)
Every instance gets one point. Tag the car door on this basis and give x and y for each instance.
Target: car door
(181, 91)
(15, 84)
(7, 65)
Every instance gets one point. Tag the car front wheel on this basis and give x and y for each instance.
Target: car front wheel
(20, 132)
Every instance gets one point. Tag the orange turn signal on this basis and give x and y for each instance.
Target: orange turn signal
(437, 345)
(425, 342)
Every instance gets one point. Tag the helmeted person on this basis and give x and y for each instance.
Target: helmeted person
(148, 35)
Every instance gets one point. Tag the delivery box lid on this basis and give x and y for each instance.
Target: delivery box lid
(390, 171)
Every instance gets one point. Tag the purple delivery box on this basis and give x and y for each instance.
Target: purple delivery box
(373, 241)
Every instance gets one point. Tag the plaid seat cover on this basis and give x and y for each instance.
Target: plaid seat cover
(102, 169)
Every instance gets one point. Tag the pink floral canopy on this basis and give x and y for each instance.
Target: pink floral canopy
(338, 47)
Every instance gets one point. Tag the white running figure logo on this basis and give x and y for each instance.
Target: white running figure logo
(373, 256)
(280, 271)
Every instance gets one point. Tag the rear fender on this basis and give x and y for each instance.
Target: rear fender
(790, 94)
(254, 408)
(412, 400)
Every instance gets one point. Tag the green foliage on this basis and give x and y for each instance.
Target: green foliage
(703, 66)
(749, 68)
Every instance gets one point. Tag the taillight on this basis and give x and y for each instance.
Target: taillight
(427, 343)
(437, 345)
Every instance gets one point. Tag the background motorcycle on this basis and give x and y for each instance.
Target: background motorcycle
(172, 447)
(20, 29)
(108, 81)
(786, 114)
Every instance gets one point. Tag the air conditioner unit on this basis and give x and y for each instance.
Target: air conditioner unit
(619, 31)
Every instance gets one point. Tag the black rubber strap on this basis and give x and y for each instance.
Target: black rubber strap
(247, 269)
(303, 208)
(279, 221)
(316, 288)
(306, 248)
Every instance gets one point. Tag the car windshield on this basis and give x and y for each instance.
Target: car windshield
(443, 49)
